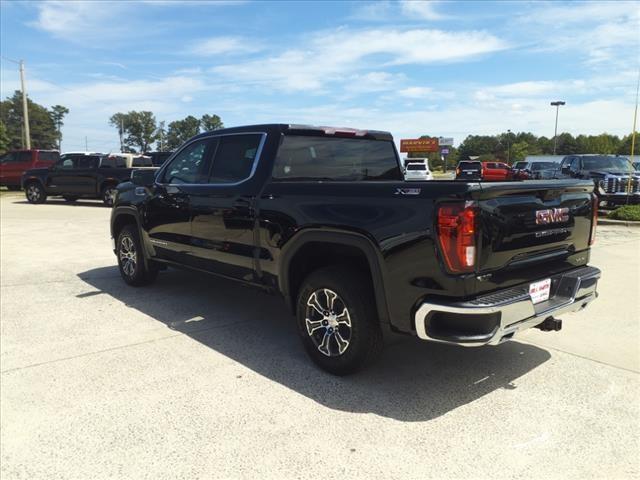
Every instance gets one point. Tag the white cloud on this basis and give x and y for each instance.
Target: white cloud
(80, 21)
(224, 45)
(423, 9)
(333, 54)
(416, 92)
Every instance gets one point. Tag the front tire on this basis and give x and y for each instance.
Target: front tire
(108, 195)
(337, 320)
(35, 193)
(131, 263)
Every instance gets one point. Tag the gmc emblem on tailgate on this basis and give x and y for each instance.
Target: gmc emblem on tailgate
(552, 215)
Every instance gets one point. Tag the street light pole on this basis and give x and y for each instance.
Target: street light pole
(508, 147)
(556, 104)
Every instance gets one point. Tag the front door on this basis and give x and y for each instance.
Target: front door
(223, 214)
(167, 212)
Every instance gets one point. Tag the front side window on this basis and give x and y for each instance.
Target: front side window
(235, 157)
(8, 158)
(23, 157)
(337, 159)
(191, 165)
(66, 164)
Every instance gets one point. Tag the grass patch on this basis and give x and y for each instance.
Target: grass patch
(628, 213)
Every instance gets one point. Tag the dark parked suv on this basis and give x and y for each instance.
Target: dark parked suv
(615, 179)
(323, 217)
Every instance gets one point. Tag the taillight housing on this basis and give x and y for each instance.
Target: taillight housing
(594, 219)
(457, 229)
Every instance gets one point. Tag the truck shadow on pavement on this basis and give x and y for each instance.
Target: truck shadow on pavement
(413, 381)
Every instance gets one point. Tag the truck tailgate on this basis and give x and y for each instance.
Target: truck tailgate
(528, 223)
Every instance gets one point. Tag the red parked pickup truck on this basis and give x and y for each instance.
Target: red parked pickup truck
(495, 171)
(14, 164)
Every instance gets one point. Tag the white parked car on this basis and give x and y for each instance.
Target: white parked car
(417, 169)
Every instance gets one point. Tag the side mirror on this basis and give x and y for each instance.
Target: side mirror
(143, 178)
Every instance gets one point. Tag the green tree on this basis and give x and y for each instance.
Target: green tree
(211, 122)
(42, 128)
(624, 148)
(567, 145)
(4, 138)
(136, 129)
(478, 145)
(519, 151)
(58, 113)
(180, 131)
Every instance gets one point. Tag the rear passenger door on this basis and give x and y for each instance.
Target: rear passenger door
(222, 211)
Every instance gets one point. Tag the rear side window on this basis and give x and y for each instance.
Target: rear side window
(87, 162)
(234, 158)
(191, 165)
(339, 159)
(8, 158)
(49, 156)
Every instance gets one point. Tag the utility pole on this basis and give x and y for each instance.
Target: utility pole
(508, 147)
(121, 133)
(86, 144)
(555, 133)
(25, 109)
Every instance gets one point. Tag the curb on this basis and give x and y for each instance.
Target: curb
(621, 223)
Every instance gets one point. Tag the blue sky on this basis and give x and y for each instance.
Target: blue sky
(413, 68)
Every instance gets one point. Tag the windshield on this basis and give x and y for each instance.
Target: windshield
(606, 163)
(544, 166)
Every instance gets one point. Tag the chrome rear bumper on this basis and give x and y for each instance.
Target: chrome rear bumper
(496, 317)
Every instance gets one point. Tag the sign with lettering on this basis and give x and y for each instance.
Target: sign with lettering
(408, 145)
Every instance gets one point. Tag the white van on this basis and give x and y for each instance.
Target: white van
(417, 169)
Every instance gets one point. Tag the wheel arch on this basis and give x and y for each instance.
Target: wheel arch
(308, 251)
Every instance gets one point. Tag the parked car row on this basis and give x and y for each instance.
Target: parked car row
(616, 179)
(73, 175)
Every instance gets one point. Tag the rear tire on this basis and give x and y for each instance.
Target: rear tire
(35, 193)
(337, 320)
(131, 262)
(14, 188)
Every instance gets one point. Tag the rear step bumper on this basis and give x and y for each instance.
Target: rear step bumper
(496, 317)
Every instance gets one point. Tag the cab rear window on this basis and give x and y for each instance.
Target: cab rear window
(335, 159)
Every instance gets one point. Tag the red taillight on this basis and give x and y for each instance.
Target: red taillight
(594, 219)
(457, 236)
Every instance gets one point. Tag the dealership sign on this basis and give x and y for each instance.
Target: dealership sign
(408, 145)
(445, 141)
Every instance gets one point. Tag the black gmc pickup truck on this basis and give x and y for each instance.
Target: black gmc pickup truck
(78, 175)
(323, 217)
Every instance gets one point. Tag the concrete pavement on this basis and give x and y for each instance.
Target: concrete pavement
(196, 377)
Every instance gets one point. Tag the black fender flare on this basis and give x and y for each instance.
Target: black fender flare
(131, 212)
(31, 179)
(352, 239)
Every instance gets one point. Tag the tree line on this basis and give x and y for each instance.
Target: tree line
(45, 124)
(512, 147)
(139, 131)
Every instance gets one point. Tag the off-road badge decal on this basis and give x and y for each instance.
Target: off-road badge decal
(408, 191)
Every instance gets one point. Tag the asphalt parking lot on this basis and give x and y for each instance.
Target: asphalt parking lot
(196, 377)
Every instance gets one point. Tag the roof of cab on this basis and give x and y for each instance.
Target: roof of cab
(296, 129)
